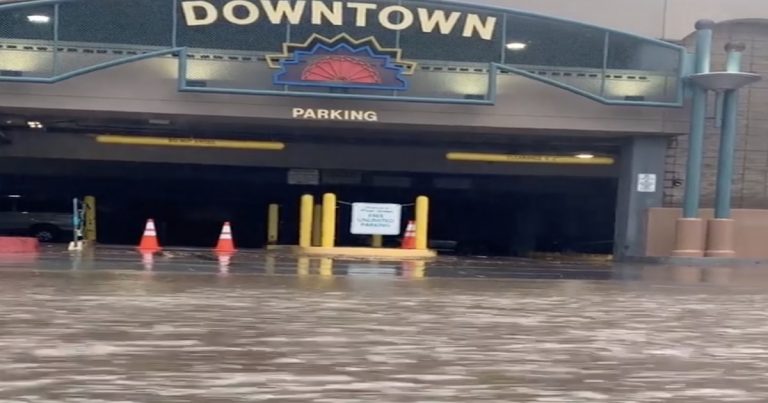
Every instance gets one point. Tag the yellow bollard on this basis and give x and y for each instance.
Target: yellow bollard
(273, 227)
(305, 224)
(329, 221)
(317, 226)
(89, 233)
(377, 241)
(422, 222)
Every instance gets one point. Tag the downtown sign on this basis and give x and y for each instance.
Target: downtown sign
(391, 17)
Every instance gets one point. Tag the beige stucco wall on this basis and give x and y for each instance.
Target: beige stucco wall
(751, 232)
(680, 15)
(149, 88)
(665, 19)
(645, 17)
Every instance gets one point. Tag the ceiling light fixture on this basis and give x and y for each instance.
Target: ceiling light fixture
(585, 156)
(517, 46)
(38, 19)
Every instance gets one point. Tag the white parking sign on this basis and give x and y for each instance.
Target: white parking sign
(646, 183)
(376, 219)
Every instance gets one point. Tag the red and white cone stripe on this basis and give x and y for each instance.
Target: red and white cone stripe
(411, 229)
(150, 229)
(226, 232)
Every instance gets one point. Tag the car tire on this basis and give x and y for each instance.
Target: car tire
(46, 233)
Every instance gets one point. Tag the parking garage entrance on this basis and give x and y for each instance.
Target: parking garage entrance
(512, 208)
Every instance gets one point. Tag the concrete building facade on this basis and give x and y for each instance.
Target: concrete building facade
(602, 77)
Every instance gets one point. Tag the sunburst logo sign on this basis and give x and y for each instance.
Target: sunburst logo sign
(341, 62)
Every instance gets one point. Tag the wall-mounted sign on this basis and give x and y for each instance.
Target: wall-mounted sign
(341, 62)
(646, 183)
(339, 13)
(392, 181)
(304, 177)
(339, 177)
(335, 114)
(376, 219)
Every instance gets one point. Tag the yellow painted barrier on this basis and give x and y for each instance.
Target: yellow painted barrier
(329, 221)
(377, 241)
(273, 224)
(305, 224)
(422, 223)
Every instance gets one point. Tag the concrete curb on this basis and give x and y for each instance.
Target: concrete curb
(19, 245)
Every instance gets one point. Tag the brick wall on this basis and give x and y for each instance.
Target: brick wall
(750, 186)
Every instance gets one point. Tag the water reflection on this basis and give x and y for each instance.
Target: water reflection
(225, 261)
(719, 276)
(148, 261)
(276, 264)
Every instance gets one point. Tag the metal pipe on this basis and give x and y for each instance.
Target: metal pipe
(422, 222)
(329, 221)
(728, 137)
(273, 224)
(698, 122)
(305, 221)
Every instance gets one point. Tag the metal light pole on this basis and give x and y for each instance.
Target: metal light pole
(698, 122)
(691, 229)
(728, 137)
(721, 230)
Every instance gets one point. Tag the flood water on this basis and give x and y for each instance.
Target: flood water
(120, 333)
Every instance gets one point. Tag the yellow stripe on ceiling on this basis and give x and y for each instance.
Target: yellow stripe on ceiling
(528, 159)
(190, 142)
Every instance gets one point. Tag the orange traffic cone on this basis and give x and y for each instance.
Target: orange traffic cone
(149, 243)
(409, 240)
(226, 244)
